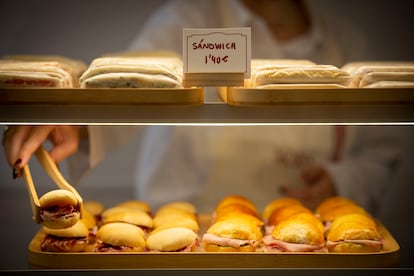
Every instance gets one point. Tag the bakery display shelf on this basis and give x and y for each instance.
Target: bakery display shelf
(388, 257)
(246, 97)
(102, 96)
(187, 106)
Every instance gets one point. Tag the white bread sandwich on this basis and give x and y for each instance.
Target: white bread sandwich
(71, 239)
(59, 209)
(175, 239)
(120, 237)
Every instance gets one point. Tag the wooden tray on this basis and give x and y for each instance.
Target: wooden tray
(297, 95)
(388, 257)
(130, 96)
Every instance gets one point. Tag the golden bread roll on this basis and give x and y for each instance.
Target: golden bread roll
(136, 204)
(120, 237)
(354, 233)
(236, 234)
(276, 204)
(283, 213)
(295, 234)
(236, 199)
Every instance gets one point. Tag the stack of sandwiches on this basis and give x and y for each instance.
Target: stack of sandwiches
(40, 71)
(140, 71)
(238, 231)
(380, 74)
(176, 228)
(291, 74)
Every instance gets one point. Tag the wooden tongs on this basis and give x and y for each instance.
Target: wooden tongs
(51, 169)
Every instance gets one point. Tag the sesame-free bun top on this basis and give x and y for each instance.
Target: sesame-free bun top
(94, 207)
(79, 229)
(332, 202)
(182, 205)
(132, 216)
(171, 239)
(122, 234)
(239, 199)
(278, 203)
(283, 213)
(341, 210)
(236, 228)
(353, 227)
(59, 197)
(180, 222)
(136, 204)
(299, 230)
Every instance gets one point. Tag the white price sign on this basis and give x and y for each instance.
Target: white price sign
(224, 50)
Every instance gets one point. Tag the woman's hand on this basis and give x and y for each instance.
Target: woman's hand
(20, 142)
(319, 186)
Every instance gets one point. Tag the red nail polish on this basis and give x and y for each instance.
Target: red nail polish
(18, 162)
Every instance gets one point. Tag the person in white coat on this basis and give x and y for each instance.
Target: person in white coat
(203, 164)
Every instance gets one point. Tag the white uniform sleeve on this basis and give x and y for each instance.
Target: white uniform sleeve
(368, 166)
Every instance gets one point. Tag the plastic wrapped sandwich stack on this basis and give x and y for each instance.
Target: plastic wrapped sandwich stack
(380, 74)
(133, 71)
(40, 71)
(295, 74)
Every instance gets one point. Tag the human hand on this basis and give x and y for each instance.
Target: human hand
(20, 142)
(319, 185)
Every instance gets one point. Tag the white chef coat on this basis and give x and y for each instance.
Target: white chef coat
(203, 164)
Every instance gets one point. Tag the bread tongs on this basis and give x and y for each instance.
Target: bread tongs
(51, 169)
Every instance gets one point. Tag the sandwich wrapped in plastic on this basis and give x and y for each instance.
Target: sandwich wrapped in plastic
(133, 71)
(40, 71)
(380, 74)
(275, 74)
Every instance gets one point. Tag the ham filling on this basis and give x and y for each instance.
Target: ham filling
(371, 243)
(271, 244)
(56, 213)
(222, 241)
(59, 244)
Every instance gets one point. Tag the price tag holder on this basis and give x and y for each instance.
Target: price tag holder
(216, 57)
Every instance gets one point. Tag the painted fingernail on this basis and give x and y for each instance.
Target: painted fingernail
(16, 173)
(17, 162)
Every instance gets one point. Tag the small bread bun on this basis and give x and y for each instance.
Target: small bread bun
(357, 227)
(132, 216)
(79, 229)
(59, 197)
(171, 214)
(181, 205)
(59, 209)
(299, 229)
(283, 213)
(181, 222)
(88, 219)
(236, 227)
(332, 202)
(122, 234)
(276, 204)
(237, 208)
(226, 216)
(341, 210)
(136, 204)
(94, 207)
(232, 199)
(171, 239)
(71, 239)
